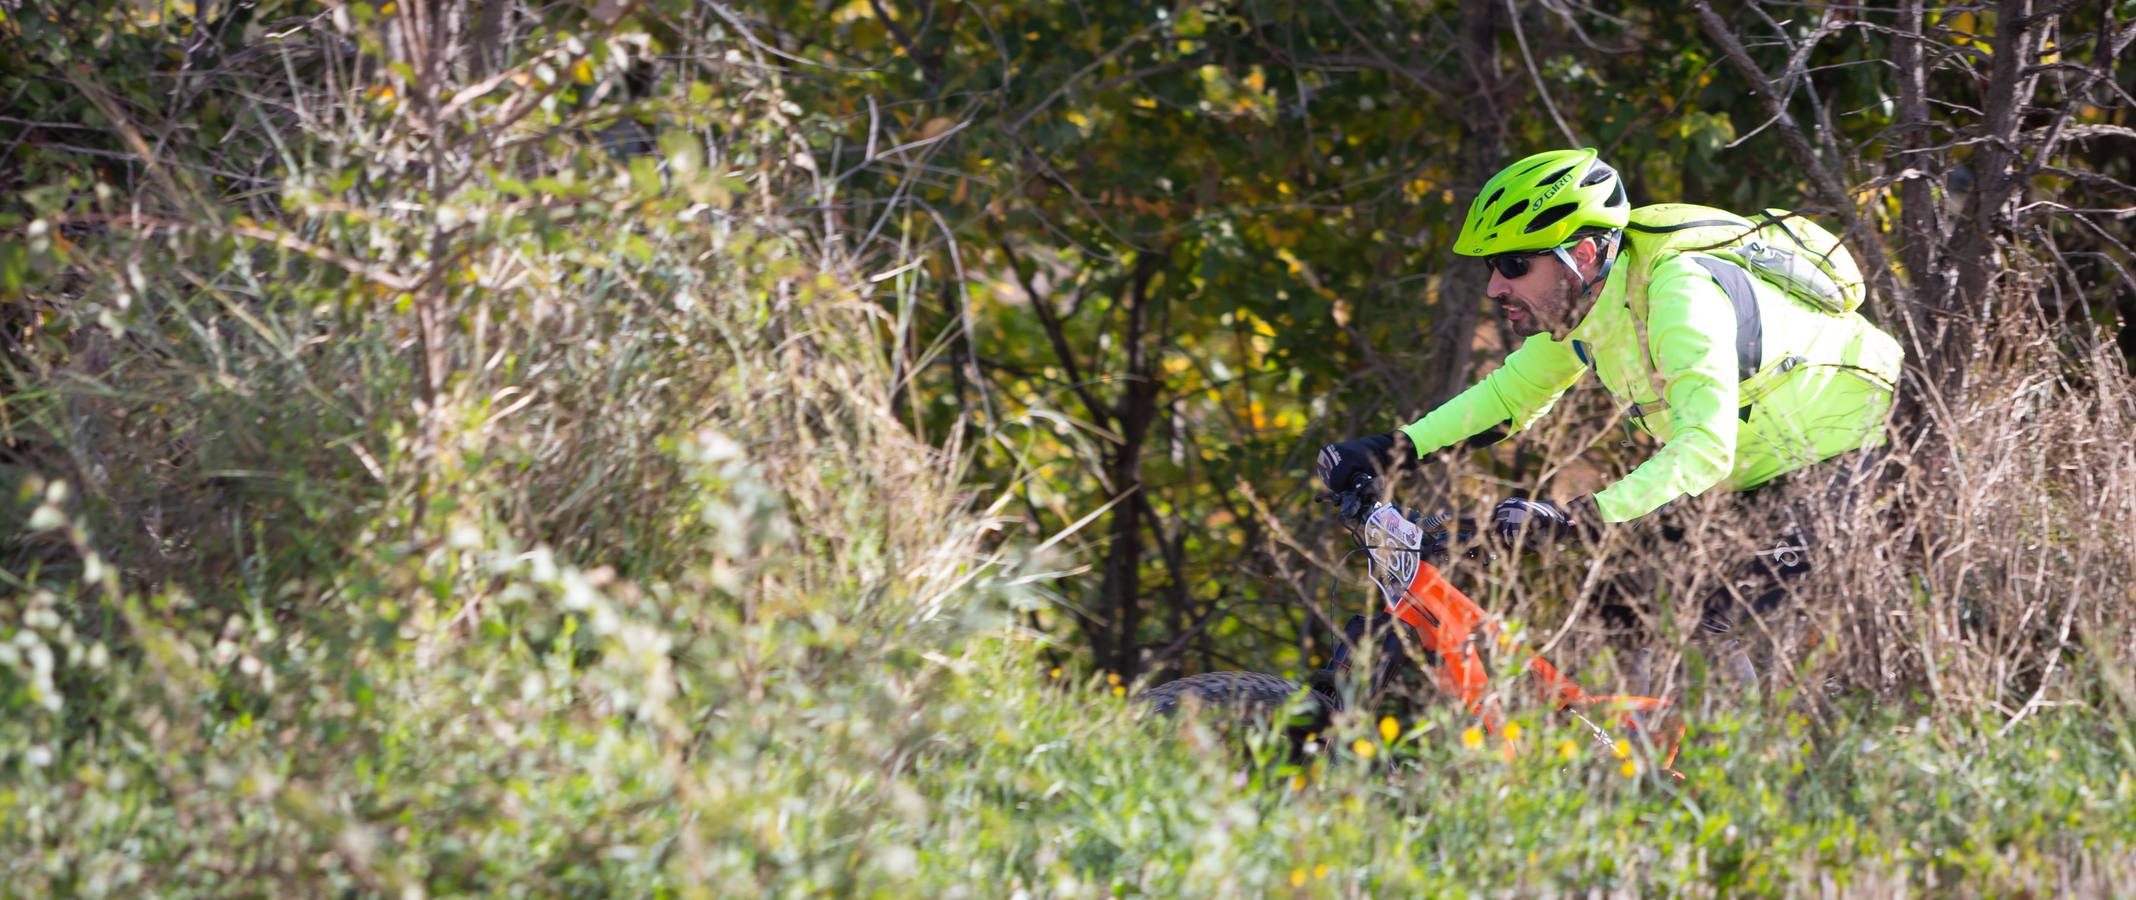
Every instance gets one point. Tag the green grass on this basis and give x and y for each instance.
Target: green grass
(845, 766)
(592, 558)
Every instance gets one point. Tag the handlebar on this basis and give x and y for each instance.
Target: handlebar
(1357, 504)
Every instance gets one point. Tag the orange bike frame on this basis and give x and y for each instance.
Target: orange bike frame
(1449, 624)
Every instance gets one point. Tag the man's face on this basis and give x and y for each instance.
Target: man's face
(1543, 300)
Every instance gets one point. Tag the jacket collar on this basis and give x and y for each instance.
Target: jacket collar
(1608, 306)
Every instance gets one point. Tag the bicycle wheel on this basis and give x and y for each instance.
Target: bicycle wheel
(1243, 691)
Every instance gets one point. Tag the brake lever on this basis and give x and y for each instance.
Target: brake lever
(1349, 506)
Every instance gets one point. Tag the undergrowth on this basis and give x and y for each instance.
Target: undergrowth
(449, 502)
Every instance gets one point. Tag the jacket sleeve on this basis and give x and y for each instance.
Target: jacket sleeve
(1691, 332)
(1514, 395)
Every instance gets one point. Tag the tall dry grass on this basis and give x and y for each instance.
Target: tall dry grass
(420, 493)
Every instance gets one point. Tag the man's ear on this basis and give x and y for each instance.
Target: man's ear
(1589, 254)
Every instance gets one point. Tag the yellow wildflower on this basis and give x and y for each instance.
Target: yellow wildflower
(1112, 678)
(1512, 731)
(1364, 748)
(1297, 782)
(1056, 671)
(1320, 871)
(1623, 749)
(1472, 737)
(1119, 691)
(1297, 878)
(1390, 729)
(1630, 768)
(1567, 750)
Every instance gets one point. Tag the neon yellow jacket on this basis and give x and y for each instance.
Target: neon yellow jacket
(1822, 384)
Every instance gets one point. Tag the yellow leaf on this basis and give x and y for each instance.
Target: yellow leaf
(935, 126)
(582, 71)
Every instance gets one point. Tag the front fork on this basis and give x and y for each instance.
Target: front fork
(1391, 655)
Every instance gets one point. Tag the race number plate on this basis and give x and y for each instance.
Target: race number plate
(1393, 541)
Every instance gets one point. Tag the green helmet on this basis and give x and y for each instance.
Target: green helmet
(1539, 202)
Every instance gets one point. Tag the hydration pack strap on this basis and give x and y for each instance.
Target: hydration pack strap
(1750, 328)
(1750, 342)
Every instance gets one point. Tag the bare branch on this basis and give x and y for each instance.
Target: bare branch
(1541, 90)
(1822, 179)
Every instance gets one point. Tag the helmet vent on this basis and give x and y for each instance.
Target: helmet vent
(1596, 176)
(1550, 217)
(1494, 198)
(1554, 176)
(1514, 210)
(1617, 198)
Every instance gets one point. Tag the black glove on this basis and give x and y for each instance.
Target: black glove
(1542, 520)
(1341, 463)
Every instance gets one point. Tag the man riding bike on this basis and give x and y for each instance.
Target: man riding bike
(1740, 380)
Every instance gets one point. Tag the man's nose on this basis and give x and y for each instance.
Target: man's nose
(1499, 287)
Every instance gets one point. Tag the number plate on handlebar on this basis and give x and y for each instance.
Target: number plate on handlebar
(1394, 542)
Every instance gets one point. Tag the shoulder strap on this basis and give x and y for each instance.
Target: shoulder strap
(1756, 381)
(1750, 327)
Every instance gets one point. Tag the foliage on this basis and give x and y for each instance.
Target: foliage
(646, 448)
(1201, 239)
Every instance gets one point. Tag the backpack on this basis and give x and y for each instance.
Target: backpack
(1781, 248)
(1784, 249)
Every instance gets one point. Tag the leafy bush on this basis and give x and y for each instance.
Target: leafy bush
(470, 469)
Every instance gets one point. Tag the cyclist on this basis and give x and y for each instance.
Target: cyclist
(1741, 381)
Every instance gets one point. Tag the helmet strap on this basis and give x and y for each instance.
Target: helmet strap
(1587, 286)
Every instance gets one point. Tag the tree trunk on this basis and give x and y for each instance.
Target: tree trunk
(1921, 211)
(1483, 150)
(1122, 586)
(1996, 186)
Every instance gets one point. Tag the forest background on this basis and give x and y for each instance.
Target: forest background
(672, 446)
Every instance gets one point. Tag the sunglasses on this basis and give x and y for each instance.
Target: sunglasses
(1514, 265)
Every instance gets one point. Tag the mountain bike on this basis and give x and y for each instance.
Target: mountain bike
(1428, 622)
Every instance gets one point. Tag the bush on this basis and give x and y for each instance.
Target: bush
(479, 471)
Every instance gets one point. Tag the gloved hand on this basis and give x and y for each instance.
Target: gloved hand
(1340, 463)
(1542, 521)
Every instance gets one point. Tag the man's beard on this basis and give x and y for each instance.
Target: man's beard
(1553, 316)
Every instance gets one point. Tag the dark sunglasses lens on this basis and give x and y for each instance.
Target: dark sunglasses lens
(1510, 265)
